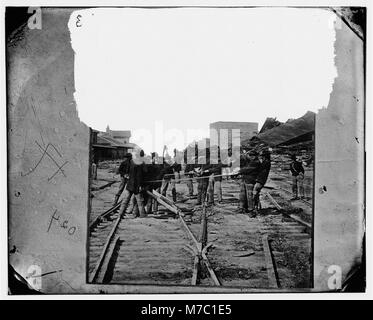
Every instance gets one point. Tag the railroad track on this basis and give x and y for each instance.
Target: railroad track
(304, 201)
(288, 177)
(106, 235)
(104, 217)
(245, 245)
(286, 241)
(102, 242)
(289, 192)
(186, 247)
(292, 216)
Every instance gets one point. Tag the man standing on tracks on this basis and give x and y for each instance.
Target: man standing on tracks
(261, 179)
(139, 158)
(134, 187)
(176, 168)
(168, 175)
(250, 167)
(203, 175)
(171, 172)
(189, 173)
(153, 181)
(123, 172)
(297, 172)
(216, 178)
(226, 170)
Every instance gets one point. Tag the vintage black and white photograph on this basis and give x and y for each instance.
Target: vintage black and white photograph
(186, 149)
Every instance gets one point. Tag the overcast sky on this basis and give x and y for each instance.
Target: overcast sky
(162, 72)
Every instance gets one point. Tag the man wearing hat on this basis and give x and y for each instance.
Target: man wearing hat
(215, 180)
(297, 172)
(261, 179)
(189, 173)
(250, 167)
(168, 175)
(203, 173)
(134, 187)
(123, 172)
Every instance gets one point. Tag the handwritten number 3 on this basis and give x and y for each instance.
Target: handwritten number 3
(78, 22)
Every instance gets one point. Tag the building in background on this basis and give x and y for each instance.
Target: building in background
(110, 145)
(122, 136)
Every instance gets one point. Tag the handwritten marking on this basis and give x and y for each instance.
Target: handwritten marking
(78, 21)
(45, 153)
(63, 225)
(44, 148)
(34, 22)
(59, 169)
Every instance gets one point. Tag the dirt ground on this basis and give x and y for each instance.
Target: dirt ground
(154, 250)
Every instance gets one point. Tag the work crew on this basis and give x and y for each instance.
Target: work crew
(215, 181)
(249, 171)
(297, 172)
(168, 175)
(202, 171)
(139, 158)
(153, 181)
(216, 178)
(261, 179)
(227, 170)
(214, 171)
(134, 187)
(176, 168)
(189, 173)
(123, 172)
(176, 164)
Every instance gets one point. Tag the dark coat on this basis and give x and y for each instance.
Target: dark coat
(207, 169)
(296, 168)
(158, 175)
(189, 167)
(176, 167)
(124, 167)
(154, 176)
(136, 177)
(250, 170)
(167, 171)
(265, 167)
(217, 169)
(203, 176)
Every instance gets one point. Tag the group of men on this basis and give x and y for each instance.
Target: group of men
(254, 171)
(140, 175)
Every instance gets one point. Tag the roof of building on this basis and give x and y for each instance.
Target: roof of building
(288, 131)
(244, 123)
(107, 140)
(122, 133)
(269, 124)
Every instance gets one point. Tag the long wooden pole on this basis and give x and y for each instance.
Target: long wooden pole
(200, 246)
(163, 202)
